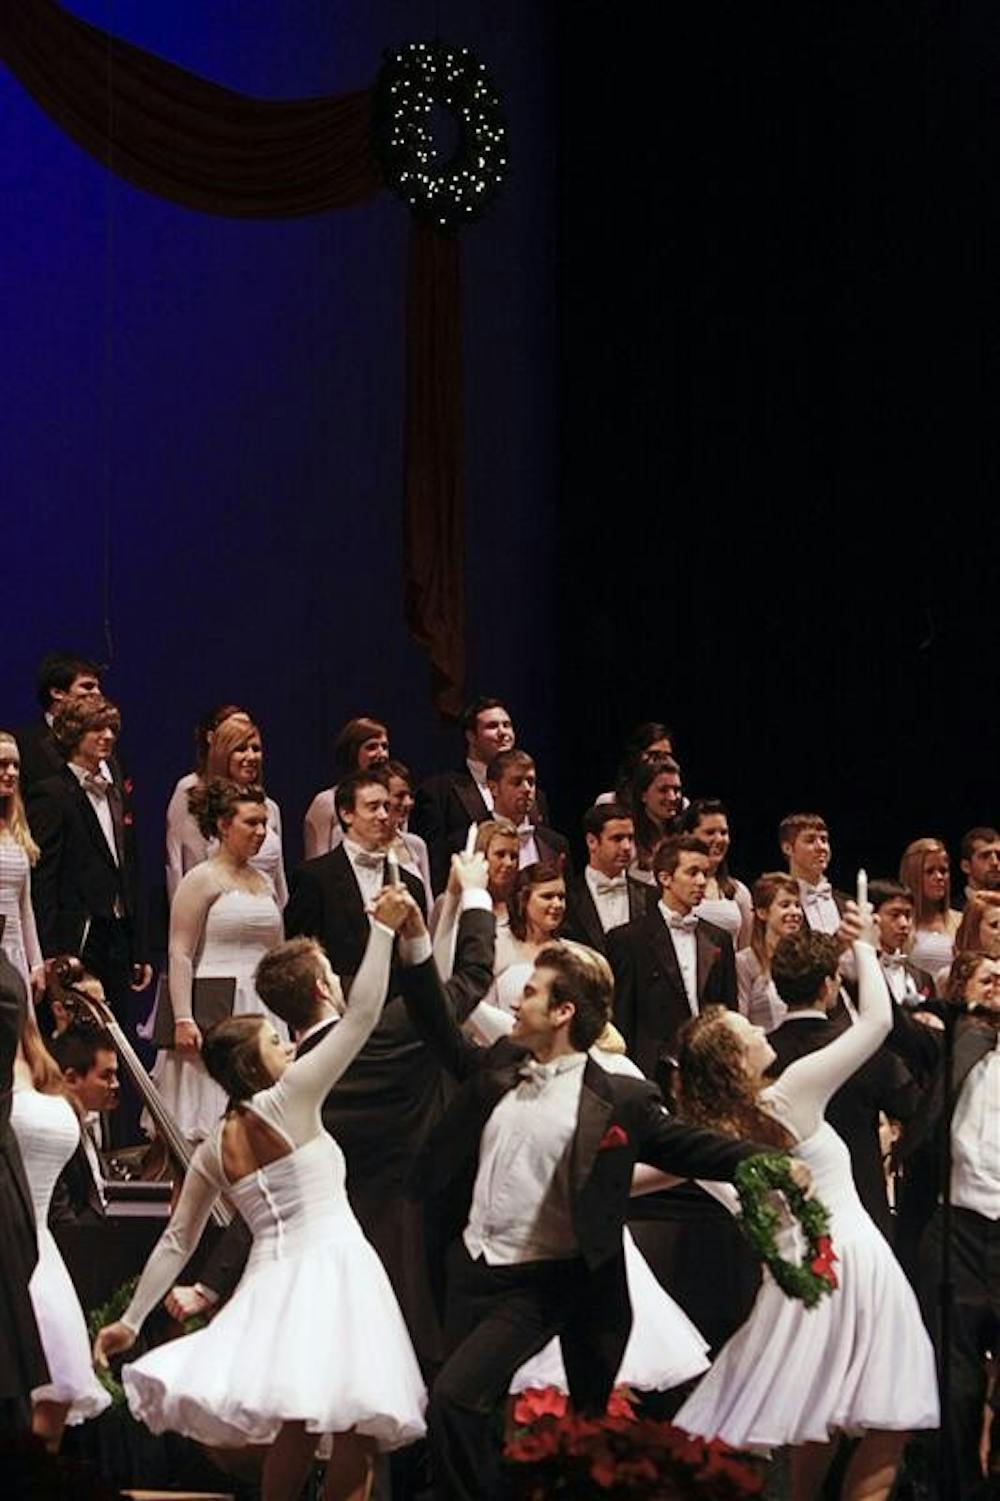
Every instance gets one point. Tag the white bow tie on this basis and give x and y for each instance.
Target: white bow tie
(817, 893)
(368, 860)
(894, 961)
(535, 1073)
(607, 887)
(97, 783)
(687, 923)
(526, 832)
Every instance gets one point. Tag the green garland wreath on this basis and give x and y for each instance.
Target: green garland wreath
(814, 1276)
(410, 83)
(109, 1313)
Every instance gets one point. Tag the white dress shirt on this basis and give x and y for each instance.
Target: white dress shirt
(89, 1135)
(818, 907)
(369, 870)
(975, 1139)
(98, 800)
(610, 897)
(521, 1200)
(902, 985)
(477, 771)
(682, 935)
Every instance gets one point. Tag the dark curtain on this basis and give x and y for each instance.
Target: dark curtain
(211, 149)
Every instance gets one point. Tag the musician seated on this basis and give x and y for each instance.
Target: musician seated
(89, 1062)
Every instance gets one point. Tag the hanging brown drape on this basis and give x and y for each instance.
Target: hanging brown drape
(217, 151)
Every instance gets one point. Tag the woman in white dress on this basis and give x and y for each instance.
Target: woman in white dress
(978, 932)
(860, 1362)
(312, 1342)
(177, 808)
(47, 1128)
(410, 850)
(726, 902)
(236, 754)
(925, 870)
(362, 744)
(225, 915)
(498, 841)
(18, 853)
(777, 909)
(656, 799)
(537, 908)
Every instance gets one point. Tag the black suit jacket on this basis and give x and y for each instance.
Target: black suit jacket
(22, 1363)
(381, 1109)
(444, 807)
(325, 902)
(582, 921)
(621, 1121)
(883, 1082)
(41, 756)
(76, 878)
(651, 1004)
(75, 1198)
(922, 1144)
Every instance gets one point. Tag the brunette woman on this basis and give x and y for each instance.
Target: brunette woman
(726, 902)
(777, 913)
(362, 744)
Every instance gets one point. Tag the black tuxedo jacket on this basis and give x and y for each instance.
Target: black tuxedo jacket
(76, 878)
(325, 902)
(553, 847)
(582, 921)
(41, 756)
(444, 807)
(381, 1109)
(75, 1198)
(621, 1121)
(22, 1363)
(883, 1082)
(922, 1144)
(651, 1004)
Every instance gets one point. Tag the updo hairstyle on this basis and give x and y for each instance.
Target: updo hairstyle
(210, 802)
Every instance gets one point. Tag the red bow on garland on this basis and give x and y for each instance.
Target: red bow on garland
(822, 1262)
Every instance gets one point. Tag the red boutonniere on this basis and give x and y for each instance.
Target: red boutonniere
(614, 1136)
(822, 1262)
(127, 820)
(127, 786)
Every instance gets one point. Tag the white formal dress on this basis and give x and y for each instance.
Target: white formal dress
(861, 1358)
(188, 847)
(932, 951)
(239, 929)
(313, 1332)
(733, 914)
(20, 937)
(756, 992)
(48, 1133)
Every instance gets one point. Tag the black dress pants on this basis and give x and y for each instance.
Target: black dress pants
(975, 1267)
(497, 1317)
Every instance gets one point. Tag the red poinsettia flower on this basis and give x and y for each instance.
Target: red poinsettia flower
(535, 1445)
(539, 1402)
(127, 786)
(128, 820)
(822, 1262)
(620, 1407)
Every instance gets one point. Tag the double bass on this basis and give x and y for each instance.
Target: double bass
(170, 1155)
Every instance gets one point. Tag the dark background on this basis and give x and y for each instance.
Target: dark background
(731, 391)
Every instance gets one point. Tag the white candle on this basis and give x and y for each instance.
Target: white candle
(391, 869)
(862, 889)
(470, 839)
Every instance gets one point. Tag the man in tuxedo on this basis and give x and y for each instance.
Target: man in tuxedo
(805, 843)
(892, 904)
(448, 802)
(385, 1103)
(513, 787)
(975, 1225)
(86, 888)
(530, 1171)
(61, 675)
(980, 860)
(805, 971)
(330, 896)
(22, 1361)
(89, 1062)
(605, 896)
(668, 966)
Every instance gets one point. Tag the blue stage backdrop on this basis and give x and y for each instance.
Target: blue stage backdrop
(230, 396)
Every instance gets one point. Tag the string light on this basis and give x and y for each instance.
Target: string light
(411, 82)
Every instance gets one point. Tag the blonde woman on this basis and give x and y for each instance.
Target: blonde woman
(925, 870)
(18, 853)
(235, 754)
